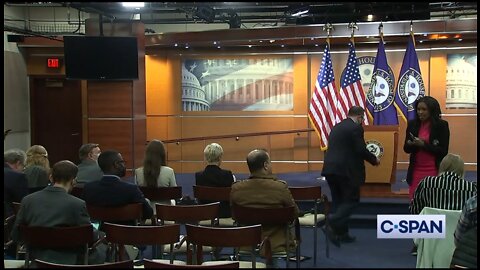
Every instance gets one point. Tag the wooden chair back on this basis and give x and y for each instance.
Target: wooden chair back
(115, 265)
(187, 213)
(149, 264)
(56, 238)
(224, 237)
(306, 193)
(161, 193)
(212, 193)
(122, 213)
(266, 216)
(141, 235)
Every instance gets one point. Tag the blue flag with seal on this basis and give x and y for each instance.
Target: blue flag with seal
(410, 86)
(381, 94)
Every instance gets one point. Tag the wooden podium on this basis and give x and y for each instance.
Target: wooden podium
(383, 142)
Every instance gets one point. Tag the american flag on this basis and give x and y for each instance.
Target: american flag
(351, 90)
(322, 108)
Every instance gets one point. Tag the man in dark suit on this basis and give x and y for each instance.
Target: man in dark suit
(15, 183)
(214, 176)
(344, 170)
(52, 207)
(111, 190)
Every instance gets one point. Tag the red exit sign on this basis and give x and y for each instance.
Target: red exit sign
(53, 63)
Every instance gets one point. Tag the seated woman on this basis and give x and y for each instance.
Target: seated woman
(155, 172)
(37, 168)
(214, 176)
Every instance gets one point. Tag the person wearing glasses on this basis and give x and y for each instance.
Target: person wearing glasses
(344, 169)
(111, 190)
(88, 169)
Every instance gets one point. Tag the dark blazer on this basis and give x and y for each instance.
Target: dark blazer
(438, 143)
(15, 187)
(346, 152)
(214, 176)
(111, 191)
(52, 207)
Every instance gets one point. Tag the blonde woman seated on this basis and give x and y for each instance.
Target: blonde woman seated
(155, 172)
(214, 176)
(37, 168)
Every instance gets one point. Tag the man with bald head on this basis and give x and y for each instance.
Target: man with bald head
(263, 190)
(51, 207)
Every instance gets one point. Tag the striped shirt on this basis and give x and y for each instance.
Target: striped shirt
(446, 191)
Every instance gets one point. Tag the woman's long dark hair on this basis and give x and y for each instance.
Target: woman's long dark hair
(433, 108)
(154, 160)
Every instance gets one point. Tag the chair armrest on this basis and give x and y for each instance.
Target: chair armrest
(179, 244)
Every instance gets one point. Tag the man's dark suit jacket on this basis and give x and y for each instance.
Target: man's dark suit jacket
(52, 207)
(346, 152)
(15, 187)
(111, 191)
(214, 176)
(439, 141)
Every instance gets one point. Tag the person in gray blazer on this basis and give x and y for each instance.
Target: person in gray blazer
(88, 169)
(52, 207)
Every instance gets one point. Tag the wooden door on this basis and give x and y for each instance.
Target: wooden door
(56, 117)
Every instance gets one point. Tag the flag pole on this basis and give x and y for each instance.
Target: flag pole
(352, 26)
(328, 27)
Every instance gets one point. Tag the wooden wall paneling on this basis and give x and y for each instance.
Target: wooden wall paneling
(110, 99)
(463, 137)
(114, 135)
(301, 97)
(300, 140)
(139, 135)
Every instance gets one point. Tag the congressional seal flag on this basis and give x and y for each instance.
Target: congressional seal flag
(322, 110)
(351, 90)
(410, 86)
(382, 93)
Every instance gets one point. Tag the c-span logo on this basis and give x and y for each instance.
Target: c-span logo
(411, 226)
(375, 147)
(410, 88)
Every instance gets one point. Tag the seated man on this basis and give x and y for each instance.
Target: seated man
(465, 236)
(111, 190)
(53, 206)
(15, 183)
(88, 169)
(264, 190)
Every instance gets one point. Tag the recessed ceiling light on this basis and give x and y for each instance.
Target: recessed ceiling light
(133, 4)
(186, 47)
(218, 47)
(370, 17)
(282, 45)
(421, 41)
(272, 40)
(214, 43)
(316, 45)
(460, 39)
(176, 45)
(425, 35)
(261, 41)
(249, 46)
(312, 38)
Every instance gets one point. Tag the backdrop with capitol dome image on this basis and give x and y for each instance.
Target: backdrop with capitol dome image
(237, 84)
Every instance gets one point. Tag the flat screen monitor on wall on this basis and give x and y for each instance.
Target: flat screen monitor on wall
(101, 58)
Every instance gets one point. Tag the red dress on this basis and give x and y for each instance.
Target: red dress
(424, 161)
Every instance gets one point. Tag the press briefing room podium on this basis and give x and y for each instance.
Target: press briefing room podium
(383, 142)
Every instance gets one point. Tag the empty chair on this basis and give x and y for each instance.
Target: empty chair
(248, 236)
(219, 194)
(149, 264)
(313, 194)
(115, 265)
(186, 214)
(61, 238)
(129, 214)
(244, 215)
(161, 195)
(121, 235)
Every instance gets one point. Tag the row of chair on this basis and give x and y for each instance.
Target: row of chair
(207, 213)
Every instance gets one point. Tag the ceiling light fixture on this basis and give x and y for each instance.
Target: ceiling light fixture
(370, 17)
(133, 4)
